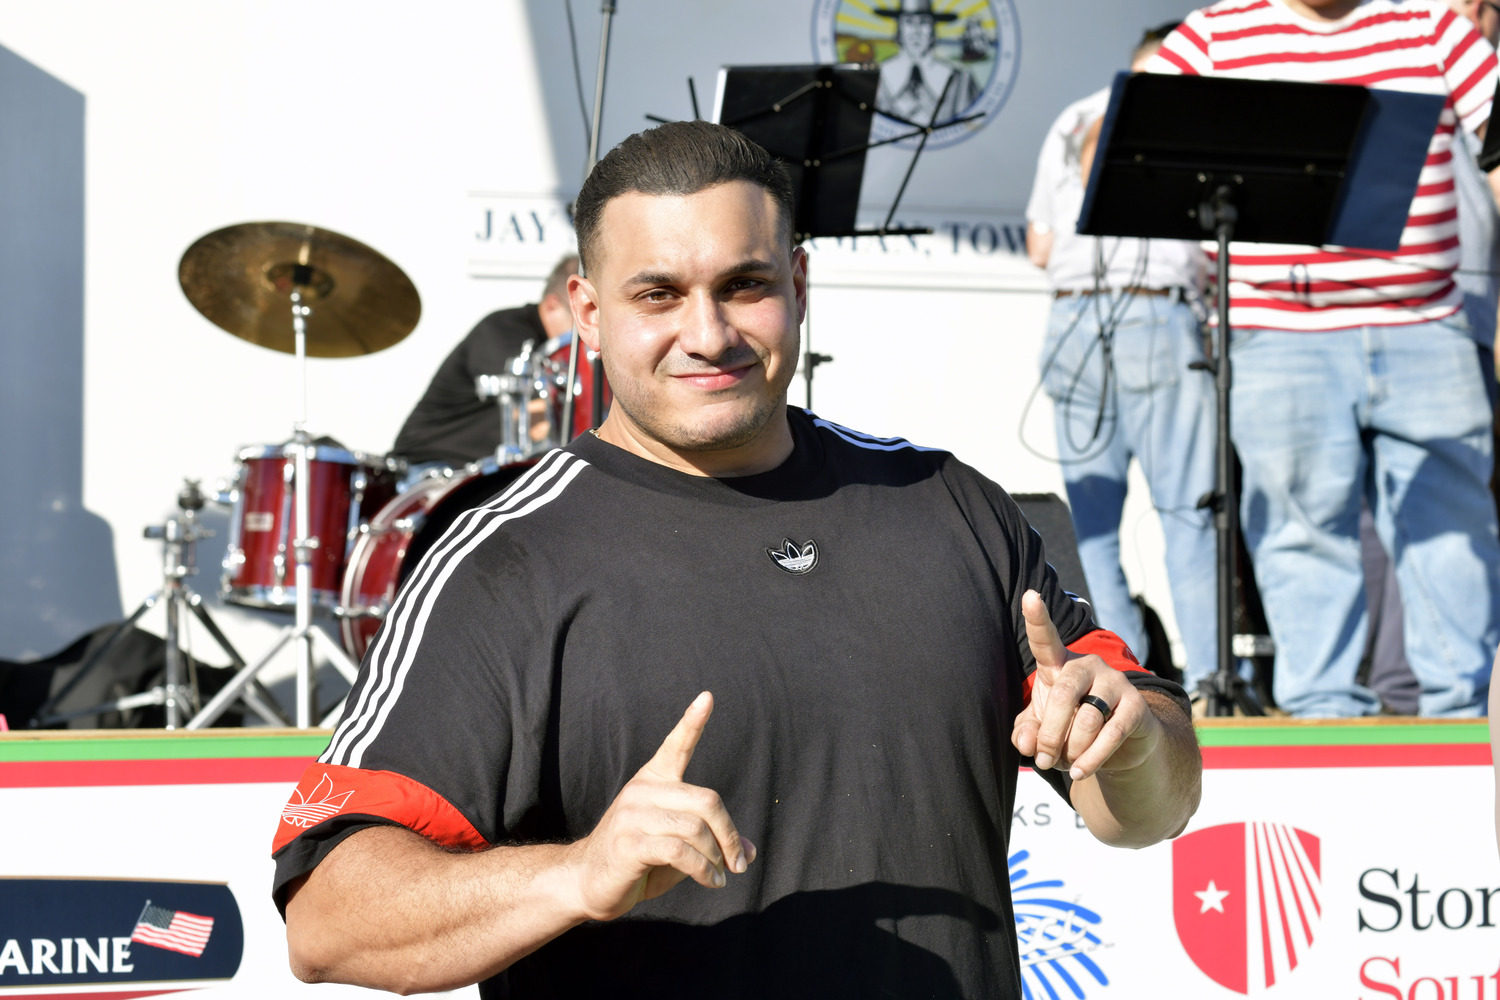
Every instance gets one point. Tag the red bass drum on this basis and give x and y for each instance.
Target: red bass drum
(390, 546)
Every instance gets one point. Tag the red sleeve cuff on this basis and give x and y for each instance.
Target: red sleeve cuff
(1101, 643)
(329, 790)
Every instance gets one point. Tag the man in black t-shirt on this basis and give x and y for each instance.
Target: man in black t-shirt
(881, 634)
(450, 424)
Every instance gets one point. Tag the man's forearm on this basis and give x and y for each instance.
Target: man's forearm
(1154, 800)
(391, 910)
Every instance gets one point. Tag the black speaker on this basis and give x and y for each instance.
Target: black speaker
(1048, 514)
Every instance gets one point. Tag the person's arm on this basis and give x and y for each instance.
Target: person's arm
(1038, 244)
(391, 910)
(1039, 221)
(1137, 774)
(1468, 67)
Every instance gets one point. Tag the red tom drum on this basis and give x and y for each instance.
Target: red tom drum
(344, 488)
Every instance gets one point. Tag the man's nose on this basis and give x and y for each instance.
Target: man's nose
(706, 331)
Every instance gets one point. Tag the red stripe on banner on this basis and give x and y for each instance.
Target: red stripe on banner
(1260, 892)
(1369, 755)
(208, 771)
(128, 995)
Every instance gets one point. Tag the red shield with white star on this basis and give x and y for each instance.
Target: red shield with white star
(1246, 898)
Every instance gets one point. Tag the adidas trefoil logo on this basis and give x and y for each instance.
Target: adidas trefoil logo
(794, 559)
(317, 807)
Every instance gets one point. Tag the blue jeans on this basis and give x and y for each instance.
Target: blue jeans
(1399, 415)
(1141, 402)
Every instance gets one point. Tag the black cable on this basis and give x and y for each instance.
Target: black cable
(577, 73)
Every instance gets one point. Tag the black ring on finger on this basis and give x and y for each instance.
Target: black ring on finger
(1097, 702)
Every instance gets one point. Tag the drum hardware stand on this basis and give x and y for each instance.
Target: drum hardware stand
(511, 392)
(179, 537)
(302, 635)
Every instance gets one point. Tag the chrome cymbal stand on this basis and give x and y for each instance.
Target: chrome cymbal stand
(301, 635)
(179, 537)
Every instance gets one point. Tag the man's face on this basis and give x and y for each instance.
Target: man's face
(696, 303)
(1487, 19)
(914, 33)
(1482, 12)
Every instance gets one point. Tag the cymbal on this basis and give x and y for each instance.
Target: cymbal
(241, 278)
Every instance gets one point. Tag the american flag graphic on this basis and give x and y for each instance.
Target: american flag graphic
(173, 930)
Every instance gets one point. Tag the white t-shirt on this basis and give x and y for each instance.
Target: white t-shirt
(1085, 262)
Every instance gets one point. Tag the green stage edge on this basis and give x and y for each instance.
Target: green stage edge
(18, 747)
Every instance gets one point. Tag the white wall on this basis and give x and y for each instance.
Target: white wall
(397, 124)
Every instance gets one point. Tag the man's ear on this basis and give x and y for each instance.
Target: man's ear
(585, 303)
(799, 281)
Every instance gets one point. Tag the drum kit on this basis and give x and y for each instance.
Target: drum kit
(315, 526)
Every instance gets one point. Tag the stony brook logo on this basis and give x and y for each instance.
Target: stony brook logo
(1247, 899)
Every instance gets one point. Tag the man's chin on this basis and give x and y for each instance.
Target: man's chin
(711, 432)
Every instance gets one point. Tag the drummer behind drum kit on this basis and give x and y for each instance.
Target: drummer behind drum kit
(311, 292)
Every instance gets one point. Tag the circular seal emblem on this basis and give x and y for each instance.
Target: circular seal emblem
(948, 58)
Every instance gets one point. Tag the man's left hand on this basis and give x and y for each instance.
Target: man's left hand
(1059, 728)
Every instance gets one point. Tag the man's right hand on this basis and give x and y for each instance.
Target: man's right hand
(660, 830)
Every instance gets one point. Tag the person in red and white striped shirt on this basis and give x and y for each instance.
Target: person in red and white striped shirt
(1355, 374)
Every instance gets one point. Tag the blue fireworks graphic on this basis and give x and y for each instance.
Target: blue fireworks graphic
(1055, 937)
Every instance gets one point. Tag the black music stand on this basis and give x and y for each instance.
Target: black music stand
(816, 119)
(1181, 157)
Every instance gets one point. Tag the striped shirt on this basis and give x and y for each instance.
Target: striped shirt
(1418, 46)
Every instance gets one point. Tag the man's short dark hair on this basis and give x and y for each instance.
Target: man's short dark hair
(679, 158)
(557, 281)
(1152, 38)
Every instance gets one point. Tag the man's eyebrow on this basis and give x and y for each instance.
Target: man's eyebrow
(650, 278)
(751, 266)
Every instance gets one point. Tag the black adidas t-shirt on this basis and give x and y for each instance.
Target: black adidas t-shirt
(856, 613)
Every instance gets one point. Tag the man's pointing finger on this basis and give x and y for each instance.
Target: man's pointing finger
(676, 751)
(1046, 645)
